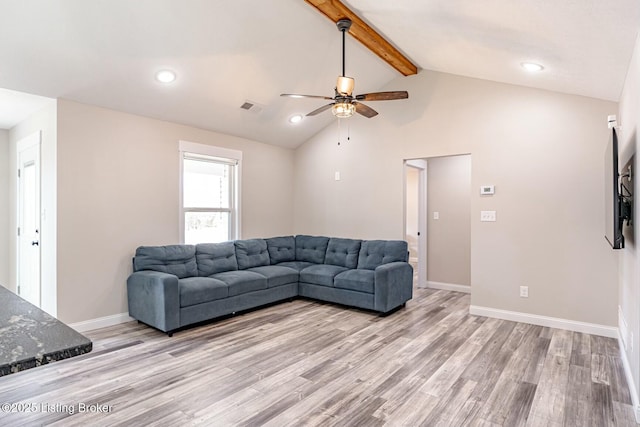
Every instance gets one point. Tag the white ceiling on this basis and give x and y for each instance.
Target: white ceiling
(105, 52)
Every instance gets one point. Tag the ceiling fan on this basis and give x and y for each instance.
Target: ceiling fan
(345, 104)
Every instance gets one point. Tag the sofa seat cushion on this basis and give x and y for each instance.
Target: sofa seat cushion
(296, 265)
(196, 290)
(356, 280)
(321, 274)
(241, 282)
(277, 275)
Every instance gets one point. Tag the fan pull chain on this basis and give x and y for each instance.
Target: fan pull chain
(340, 131)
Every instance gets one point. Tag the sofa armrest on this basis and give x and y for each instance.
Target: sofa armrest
(393, 285)
(154, 299)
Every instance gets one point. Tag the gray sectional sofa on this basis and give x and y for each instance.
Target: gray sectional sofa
(179, 285)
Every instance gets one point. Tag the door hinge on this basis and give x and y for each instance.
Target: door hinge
(18, 173)
(18, 231)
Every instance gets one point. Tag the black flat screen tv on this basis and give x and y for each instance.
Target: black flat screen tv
(617, 203)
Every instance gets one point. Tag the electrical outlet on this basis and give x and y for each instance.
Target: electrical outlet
(524, 291)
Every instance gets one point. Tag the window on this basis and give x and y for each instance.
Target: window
(210, 193)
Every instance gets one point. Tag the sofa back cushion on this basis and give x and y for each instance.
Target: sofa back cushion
(215, 258)
(251, 253)
(281, 249)
(343, 252)
(179, 260)
(311, 248)
(377, 252)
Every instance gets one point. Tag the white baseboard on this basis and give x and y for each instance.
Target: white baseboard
(449, 287)
(635, 401)
(101, 322)
(551, 322)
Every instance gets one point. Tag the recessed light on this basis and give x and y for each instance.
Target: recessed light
(532, 66)
(295, 119)
(165, 76)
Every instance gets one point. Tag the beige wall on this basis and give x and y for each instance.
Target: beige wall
(629, 257)
(542, 150)
(5, 243)
(43, 121)
(449, 237)
(118, 188)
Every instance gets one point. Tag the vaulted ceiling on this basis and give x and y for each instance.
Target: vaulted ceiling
(106, 52)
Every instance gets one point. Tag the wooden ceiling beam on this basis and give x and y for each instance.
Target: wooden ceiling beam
(361, 31)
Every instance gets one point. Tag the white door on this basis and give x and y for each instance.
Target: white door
(29, 219)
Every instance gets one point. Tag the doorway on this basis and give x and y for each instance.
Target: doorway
(29, 231)
(438, 194)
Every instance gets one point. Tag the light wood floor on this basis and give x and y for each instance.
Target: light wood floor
(306, 363)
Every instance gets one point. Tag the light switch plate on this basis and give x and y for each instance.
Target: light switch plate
(487, 216)
(337, 176)
(436, 215)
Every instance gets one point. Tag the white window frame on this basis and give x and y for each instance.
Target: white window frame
(185, 148)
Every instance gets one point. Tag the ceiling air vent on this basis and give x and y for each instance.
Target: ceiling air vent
(252, 106)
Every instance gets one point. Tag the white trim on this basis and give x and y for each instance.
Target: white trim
(551, 322)
(32, 141)
(623, 329)
(180, 193)
(209, 150)
(101, 322)
(421, 166)
(29, 141)
(635, 402)
(449, 287)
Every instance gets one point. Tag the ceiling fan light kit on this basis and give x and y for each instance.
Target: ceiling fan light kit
(343, 110)
(345, 104)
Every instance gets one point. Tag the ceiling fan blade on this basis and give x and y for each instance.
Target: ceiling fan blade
(383, 96)
(321, 109)
(293, 95)
(365, 110)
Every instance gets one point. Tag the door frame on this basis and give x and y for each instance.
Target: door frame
(28, 142)
(421, 166)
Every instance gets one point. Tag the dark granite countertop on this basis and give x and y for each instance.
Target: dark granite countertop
(29, 337)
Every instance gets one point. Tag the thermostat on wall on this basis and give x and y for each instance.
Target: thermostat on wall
(487, 189)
